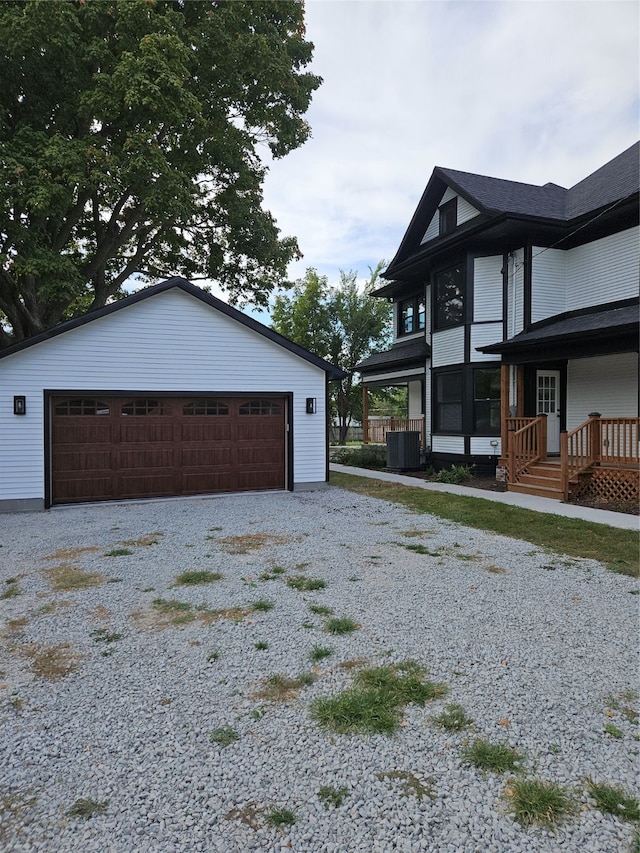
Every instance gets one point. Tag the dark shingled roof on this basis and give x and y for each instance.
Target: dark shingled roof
(577, 326)
(415, 351)
(616, 180)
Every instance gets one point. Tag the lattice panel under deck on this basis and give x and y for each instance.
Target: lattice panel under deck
(613, 484)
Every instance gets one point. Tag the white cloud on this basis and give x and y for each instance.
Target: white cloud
(531, 91)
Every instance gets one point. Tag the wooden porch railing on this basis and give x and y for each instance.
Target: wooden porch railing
(376, 429)
(598, 441)
(527, 443)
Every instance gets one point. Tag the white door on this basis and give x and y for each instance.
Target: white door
(548, 403)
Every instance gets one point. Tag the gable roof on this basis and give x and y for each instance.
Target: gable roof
(496, 198)
(197, 292)
(414, 351)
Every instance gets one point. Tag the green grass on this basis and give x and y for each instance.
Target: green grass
(280, 688)
(224, 736)
(280, 817)
(329, 795)
(537, 801)
(262, 605)
(613, 731)
(453, 718)
(341, 625)
(321, 609)
(615, 801)
(261, 646)
(319, 653)
(86, 808)
(11, 589)
(303, 584)
(119, 552)
(494, 757)
(375, 702)
(197, 577)
(617, 549)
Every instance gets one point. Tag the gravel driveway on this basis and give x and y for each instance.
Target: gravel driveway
(110, 697)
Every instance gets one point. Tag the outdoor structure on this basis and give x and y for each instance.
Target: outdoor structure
(516, 328)
(167, 392)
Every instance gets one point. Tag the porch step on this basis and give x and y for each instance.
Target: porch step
(538, 491)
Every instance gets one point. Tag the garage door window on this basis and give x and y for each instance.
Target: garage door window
(260, 407)
(82, 406)
(145, 407)
(208, 406)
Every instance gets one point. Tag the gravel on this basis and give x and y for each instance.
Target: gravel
(539, 649)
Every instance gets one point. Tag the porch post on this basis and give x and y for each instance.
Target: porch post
(520, 391)
(564, 464)
(596, 441)
(504, 408)
(365, 415)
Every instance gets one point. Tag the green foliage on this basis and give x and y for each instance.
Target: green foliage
(367, 456)
(303, 584)
(329, 795)
(495, 757)
(86, 807)
(224, 736)
(262, 605)
(279, 817)
(614, 800)
(319, 653)
(457, 474)
(453, 718)
(192, 578)
(537, 801)
(130, 137)
(341, 625)
(342, 324)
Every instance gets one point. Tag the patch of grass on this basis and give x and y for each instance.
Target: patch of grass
(329, 795)
(420, 549)
(102, 635)
(250, 542)
(11, 589)
(453, 718)
(538, 801)
(319, 653)
(321, 609)
(374, 703)
(410, 785)
(224, 736)
(304, 584)
(262, 605)
(613, 731)
(192, 578)
(175, 612)
(341, 625)
(87, 808)
(118, 552)
(620, 704)
(614, 800)
(571, 536)
(52, 662)
(280, 817)
(213, 656)
(280, 688)
(493, 757)
(65, 577)
(261, 646)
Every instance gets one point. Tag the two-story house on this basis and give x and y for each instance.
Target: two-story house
(516, 319)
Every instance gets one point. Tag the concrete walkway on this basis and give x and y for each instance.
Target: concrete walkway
(599, 516)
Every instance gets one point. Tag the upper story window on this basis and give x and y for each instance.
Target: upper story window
(411, 315)
(448, 288)
(448, 217)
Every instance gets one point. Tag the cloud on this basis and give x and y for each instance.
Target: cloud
(530, 91)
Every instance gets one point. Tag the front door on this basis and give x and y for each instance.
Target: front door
(548, 403)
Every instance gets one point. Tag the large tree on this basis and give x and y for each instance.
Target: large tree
(131, 134)
(342, 324)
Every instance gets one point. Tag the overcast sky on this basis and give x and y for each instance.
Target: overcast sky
(532, 91)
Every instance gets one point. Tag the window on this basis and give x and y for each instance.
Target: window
(82, 406)
(449, 297)
(411, 315)
(260, 407)
(207, 406)
(448, 217)
(486, 401)
(448, 401)
(145, 407)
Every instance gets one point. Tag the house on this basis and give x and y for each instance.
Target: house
(516, 321)
(166, 392)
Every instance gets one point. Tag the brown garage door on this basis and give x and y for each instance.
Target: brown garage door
(107, 448)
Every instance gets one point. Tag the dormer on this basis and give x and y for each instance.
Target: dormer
(452, 211)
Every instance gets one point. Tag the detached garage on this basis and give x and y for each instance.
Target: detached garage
(167, 392)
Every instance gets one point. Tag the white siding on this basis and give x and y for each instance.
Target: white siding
(414, 399)
(487, 289)
(448, 444)
(169, 342)
(548, 283)
(482, 446)
(481, 336)
(465, 212)
(427, 315)
(515, 308)
(447, 347)
(427, 407)
(607, 384)
(603, 271)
